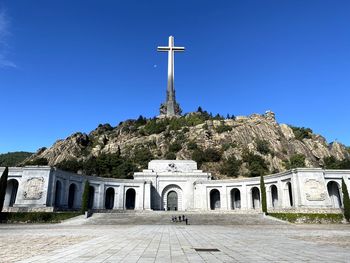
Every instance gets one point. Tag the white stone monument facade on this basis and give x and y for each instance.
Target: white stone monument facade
(175, 185)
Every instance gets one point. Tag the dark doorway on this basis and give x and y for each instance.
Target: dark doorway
(130, 199)
(109, 201)
(215, 199)
(289, 186)
(58, 193)
(255, 198)
(274, 196)
(334, 195)
(71, 195)
(172, 201)
(235, 199)
(91, 197)
(11, 191)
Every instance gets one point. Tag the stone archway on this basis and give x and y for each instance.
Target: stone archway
(215, 202)
(11, 192)
(172, 198)
(334, 194)
(255, 197)
(235, 199)
(130, 198)
(109, 199)
(274, 196)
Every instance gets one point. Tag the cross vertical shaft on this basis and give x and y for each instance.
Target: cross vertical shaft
(170, 108)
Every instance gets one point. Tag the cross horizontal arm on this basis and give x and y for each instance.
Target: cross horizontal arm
(163, 49)
(178, 48)
(170, 48)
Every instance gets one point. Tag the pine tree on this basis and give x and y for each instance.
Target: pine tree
(85, 198)
(346, 200)
(3, 184)
(263, 194)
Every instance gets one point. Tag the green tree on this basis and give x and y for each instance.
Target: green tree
(212, 155)
(255, 164)
(3, 184)
(38, 161)
(70, 165)
(295, 161)
(175, 147)
(85, 197)
(231, 166)
(170, 156)
(263, 194)
(346, 200)
(13, 158)
(262, 146)
(301, 133)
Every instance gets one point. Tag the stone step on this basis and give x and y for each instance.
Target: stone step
(165, 218)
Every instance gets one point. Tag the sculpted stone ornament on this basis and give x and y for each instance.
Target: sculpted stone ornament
(314, 190)
(170, 108)
(172, 167)
(33, 189)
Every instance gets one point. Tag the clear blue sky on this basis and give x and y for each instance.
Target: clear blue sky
(66, 66)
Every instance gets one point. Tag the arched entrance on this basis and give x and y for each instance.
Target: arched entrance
(109, 200)
(255, 198)
(58, 193)
(289, 194)
(274, 196)
(172, 201)
(334, 194)
(215, 199)
(235, 199)
(172, 198)
(91, 197)
(71, 195)
(11, 192)
(130, 199)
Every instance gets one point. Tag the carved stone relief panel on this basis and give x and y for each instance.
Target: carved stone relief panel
(314, 190)
(33, 188)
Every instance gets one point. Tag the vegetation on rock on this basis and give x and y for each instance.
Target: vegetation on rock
(13, 158)
(231, 167)
(301, 133)
(210, 140)
(255, 164)
(332, 163)
(295, 161)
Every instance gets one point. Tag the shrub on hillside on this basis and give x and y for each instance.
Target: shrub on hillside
(223, 128)
(231, 166)
(255, 164)
(301, 133)
(262, 146)
(295, 161)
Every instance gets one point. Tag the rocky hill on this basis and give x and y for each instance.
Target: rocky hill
(232, 146)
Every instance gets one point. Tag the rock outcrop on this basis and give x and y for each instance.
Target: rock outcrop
(230, 137)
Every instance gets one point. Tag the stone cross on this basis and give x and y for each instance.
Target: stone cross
(171, 107)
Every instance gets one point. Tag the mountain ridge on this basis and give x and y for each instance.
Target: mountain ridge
(232, 146)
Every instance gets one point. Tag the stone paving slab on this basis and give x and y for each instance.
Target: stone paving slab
(172, 243)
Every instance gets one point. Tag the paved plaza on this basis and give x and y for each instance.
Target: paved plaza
(174, 243)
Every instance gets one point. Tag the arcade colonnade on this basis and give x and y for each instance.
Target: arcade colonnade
(183, 188)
